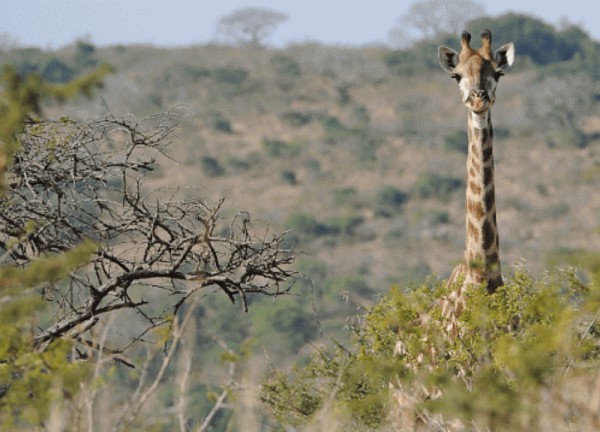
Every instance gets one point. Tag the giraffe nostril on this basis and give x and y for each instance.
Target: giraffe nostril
(479, 94)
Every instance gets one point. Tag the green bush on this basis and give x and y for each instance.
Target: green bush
(336, 132)
(284, 325)
(345, 224)
(57, 71)
(85, 54)
(221, 124)
(230, 75)
(289, 177)
(195, 73)
(422, 57)
(211, 166)
(514, 365)
(432, 185)
(285, 66)
(304, 224)
(389, 200)
(346, 195)
(280, 149)
(457, 141)
(297, 118)
(535, 39)
(562, 256)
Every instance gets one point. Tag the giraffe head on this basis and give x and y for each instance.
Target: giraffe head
(477, 71)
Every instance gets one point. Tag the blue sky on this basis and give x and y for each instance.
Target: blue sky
(55, 23)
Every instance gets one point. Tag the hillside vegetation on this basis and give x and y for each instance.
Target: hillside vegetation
(360, 153)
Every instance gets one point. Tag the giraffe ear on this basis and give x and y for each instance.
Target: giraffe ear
(448, 59)
(505, 56)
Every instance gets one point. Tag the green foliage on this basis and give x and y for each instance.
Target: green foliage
(457, 141)
(54, 68)
(46, 269)
(285, 66)
(21, 97)
(433, 185)
(283, 325)
(297, 118)
(346, 195)
(389, 200)
(280, 149)
(229, 75)
(516, 348)
(336, 131)
(345, 223)
(306, 225)
(85, 54)
(421, 57)
(585, 259)
(211, 166)
(289, 177)
(221, 124)
(542, 43)
(33, 377)
(57, 71)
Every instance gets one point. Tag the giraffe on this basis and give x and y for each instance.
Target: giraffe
(477, 73)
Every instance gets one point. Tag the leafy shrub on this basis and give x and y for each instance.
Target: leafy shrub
(457, 141)
(239, 164)
(346, 195)
(515, 365)
(432, 185)
(285, 66)
(284, 325)
(279, 149)
(345, 224)
(389, 200)
(303, 223)
(423, 56)
(85, 54)
(585, 259)
(297, 118)
(211, 166)
(196, 73)
(361, 115)
(220, 123)
(335, 131)
(343, 94)
(230, 75)
(57, 71)
(537, 40)
(289, 177)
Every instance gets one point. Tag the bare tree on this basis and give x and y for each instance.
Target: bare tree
(428, 19)
(74, 182)
(249, 26)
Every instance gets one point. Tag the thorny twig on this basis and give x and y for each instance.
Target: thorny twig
(73, 181)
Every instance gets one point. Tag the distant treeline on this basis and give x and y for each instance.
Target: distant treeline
(565, 50)
(568, 49)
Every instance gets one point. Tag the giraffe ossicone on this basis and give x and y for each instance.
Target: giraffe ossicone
(477, 72)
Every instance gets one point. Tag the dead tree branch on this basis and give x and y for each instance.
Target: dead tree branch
(73, 181)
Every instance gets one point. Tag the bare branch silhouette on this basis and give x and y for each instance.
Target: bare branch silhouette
(73, 182)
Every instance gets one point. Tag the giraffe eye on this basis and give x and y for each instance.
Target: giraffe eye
(457, 77)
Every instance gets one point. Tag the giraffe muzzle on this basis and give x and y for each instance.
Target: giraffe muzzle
(478, 101)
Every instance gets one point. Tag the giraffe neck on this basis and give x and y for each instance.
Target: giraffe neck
(482, 248)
